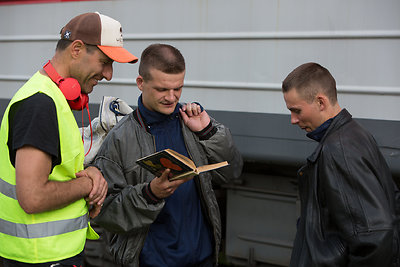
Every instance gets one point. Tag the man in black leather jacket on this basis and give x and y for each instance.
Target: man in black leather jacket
(349, 215)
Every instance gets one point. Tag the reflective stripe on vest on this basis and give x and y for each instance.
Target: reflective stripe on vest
(45, 229)
(37, 230)
(8, 189)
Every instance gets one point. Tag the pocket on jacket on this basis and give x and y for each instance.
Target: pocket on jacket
(330, 252)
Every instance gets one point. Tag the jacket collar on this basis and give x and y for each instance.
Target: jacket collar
(146, 117)
(318, 133)
(342, 118)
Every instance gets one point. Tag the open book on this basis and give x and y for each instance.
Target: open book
(179, 165)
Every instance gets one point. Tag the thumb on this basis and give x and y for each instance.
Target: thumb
(80, 174)
(165, 175)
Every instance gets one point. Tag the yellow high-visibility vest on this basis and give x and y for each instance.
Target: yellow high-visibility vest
(52, 235)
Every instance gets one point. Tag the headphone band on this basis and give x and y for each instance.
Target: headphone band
(53, 74)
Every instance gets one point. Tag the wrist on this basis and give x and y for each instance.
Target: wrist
(86, 184)
(148, 194)
(207, 132)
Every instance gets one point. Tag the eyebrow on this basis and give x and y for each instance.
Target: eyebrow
(163, 88)
(294, 109)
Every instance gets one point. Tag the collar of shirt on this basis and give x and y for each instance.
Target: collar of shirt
(318, 133)
(154, 117)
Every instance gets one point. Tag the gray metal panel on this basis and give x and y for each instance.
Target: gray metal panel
(271, 139)
(261, 220)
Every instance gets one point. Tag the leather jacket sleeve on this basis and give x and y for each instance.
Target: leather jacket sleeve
(356, 201)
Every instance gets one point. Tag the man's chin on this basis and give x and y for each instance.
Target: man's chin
(167, 110)
(307, 129)
(87, 89)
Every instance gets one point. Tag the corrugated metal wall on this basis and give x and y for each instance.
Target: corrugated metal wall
(238, 52)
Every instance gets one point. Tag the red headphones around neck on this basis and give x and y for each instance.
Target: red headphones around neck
(69, 87)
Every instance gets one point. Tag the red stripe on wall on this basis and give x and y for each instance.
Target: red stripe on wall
(22, 2)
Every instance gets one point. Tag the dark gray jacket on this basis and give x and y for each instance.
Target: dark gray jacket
(348, 209)
(126, 214)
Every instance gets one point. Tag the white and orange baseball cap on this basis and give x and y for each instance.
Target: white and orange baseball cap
(100, 30)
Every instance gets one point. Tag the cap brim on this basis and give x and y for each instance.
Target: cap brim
(118, 54)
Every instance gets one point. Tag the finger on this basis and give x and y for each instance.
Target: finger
(97, 199)
(193, 108)
(95, 187)
(95, 176)
(95, 211)
(98, 190)
(189, 111)
(103, 195)
(196, 109)
(185, 117)
(184, 180)
(175, 184)
(93, 200)
(171, 191)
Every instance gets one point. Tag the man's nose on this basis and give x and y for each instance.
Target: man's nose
(294, 119)
(108, 71)
(170, 95)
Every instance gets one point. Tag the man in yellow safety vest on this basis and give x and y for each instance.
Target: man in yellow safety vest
(44, 189)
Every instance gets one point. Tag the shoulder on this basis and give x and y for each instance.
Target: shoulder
(127, 127)
(349, 135)
(125, 124)
(37, 103)
(40, 98)
(350, 144)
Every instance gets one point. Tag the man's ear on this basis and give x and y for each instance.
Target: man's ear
(322, 101)
(76, 48)
(139, 82)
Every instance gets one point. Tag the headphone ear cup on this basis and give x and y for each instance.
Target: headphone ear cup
(70, 88)
(80, 102)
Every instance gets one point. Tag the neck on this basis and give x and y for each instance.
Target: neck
(331, 112)
(60, 64)
(335, 110)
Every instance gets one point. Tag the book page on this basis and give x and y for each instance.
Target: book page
(182, 158)
(211, 166)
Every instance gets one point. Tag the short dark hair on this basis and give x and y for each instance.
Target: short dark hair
(62, 44)
(162, 57)
(309, 79)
